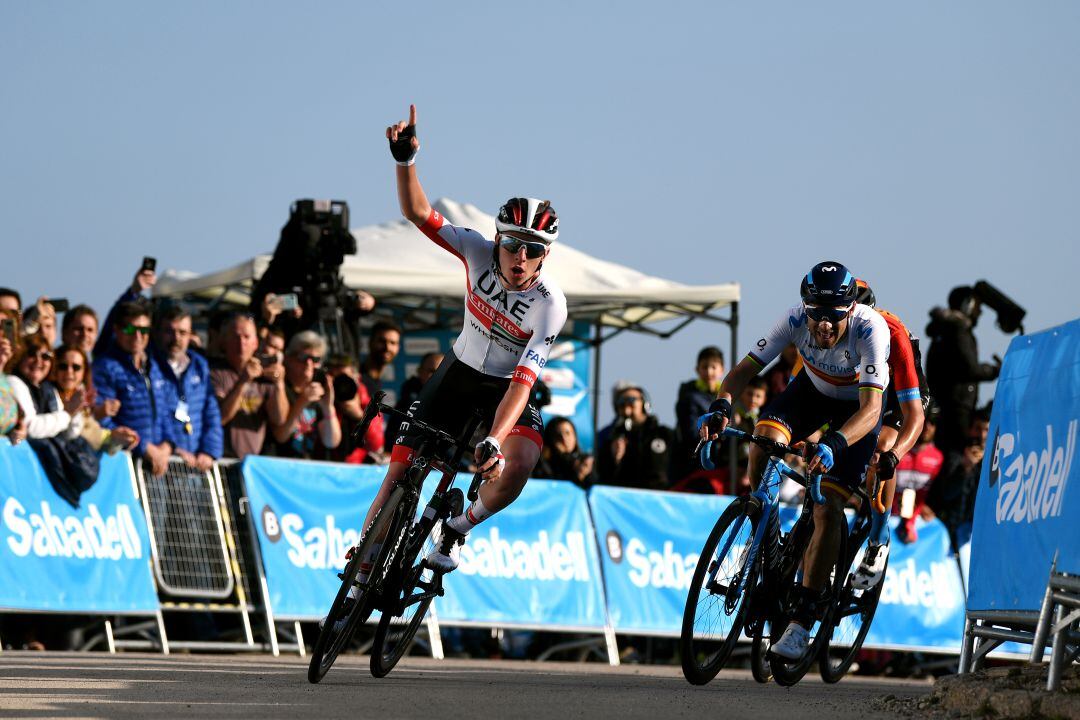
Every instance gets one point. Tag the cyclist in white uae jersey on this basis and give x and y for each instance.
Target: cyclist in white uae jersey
(513, 315)
(845, 349)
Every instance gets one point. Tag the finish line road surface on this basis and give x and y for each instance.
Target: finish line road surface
(62, 685)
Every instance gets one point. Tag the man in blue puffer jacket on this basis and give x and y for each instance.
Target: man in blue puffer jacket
(129, 374)
(195, 418)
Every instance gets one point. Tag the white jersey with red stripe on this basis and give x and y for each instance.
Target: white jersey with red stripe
(506, 334)
(860, 359)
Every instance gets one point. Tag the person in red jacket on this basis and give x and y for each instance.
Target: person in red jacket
(915, 473)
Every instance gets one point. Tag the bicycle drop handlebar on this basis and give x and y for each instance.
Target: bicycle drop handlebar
(772, 448)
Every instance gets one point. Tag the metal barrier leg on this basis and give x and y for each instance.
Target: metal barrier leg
(612, 646)
(299, 639)
(434, 634)
(109, 639)
(967, 646)
(1057, 655)
(161, 633)
(1042, 629)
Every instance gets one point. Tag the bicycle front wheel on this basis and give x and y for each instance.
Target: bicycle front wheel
(850, 623)
(406, 606)
(787, 673)
(346, 614)
(716, 604)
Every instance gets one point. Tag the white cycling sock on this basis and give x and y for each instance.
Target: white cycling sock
(365, 568)
(475, 514)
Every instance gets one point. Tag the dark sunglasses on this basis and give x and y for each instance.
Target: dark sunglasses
(317, 359)
(512, 245)
(42, 355)
(629, 400)
(819, 313)
(132, 329)
(69, 366)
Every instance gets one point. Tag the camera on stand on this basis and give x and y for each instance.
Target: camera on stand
(307, 262)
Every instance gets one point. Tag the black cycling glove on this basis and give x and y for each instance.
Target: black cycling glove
(402, 148)
(886, 465)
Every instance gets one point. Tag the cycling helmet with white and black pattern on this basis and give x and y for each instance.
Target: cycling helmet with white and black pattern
(529, 216)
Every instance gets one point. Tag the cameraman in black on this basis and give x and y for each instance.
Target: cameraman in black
(953, 370)
(635, 450)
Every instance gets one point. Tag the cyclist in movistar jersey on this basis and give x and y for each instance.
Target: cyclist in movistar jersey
(513, 315)
(901, 425)
(845, 349)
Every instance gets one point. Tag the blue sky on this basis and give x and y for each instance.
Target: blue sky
(923, 144)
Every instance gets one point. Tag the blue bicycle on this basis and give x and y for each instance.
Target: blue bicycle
(747, 575)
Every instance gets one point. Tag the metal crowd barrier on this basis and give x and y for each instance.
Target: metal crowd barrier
(1059, 618)
(196, 559)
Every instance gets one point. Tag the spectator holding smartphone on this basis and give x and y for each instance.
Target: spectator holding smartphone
(252, 398)
(195, 418)
(311, 426)
(10, 413)
(138, 292)
(128, 373)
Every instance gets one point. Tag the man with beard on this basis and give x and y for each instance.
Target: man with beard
(383, 347)
(845, 350)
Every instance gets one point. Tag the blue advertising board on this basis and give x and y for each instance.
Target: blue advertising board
(651, 541)
(91, 559)
(534, 563)
(922, 602)
(306, 516)
(1029, 495)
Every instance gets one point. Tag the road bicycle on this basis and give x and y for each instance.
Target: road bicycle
(747, 577)
(399, 586)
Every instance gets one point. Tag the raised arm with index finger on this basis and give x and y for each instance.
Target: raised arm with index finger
(403, 146)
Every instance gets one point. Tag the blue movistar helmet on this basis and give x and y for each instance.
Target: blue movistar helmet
(829, 284)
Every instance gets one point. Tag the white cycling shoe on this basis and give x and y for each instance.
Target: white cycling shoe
(872, 567)
(446, 557)
(792, 644)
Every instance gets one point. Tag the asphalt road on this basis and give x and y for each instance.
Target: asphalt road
(132, 685)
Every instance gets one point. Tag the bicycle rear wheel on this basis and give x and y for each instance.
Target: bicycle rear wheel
(715, 605)
(404, 613)
(850, 623)
(787, 673)
(347, 614)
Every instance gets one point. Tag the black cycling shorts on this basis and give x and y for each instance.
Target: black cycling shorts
(801, 410)
(449, 399)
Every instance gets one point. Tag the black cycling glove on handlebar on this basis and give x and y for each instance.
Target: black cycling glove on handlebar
(720, 407)
(886, 465)
(402, 148)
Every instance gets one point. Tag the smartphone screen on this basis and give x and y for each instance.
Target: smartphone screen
(289, 301)
(59, 304)
(148, 263)
(8, 328)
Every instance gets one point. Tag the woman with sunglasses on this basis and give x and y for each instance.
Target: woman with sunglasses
(71, 375)
(845, 350)
(46, 414)
(513, 315)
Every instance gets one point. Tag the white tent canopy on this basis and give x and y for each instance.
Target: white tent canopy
(401, 267)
